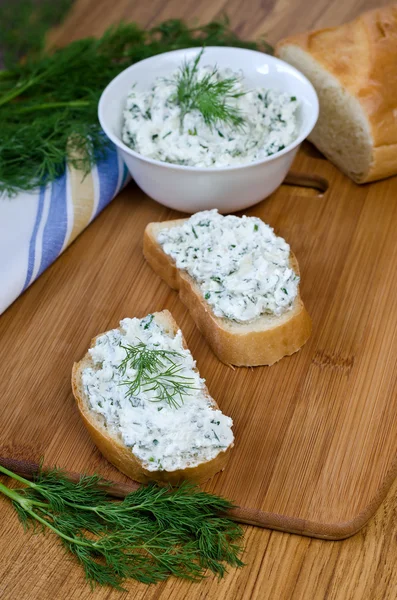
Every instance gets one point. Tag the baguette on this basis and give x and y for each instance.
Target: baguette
(110, 442)
(262, 341)
(353, 68)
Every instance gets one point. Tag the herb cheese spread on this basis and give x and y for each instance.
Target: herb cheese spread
(165, 431)
(241, 267)
(175, 124)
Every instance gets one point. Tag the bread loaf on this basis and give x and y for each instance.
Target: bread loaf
(353, 68)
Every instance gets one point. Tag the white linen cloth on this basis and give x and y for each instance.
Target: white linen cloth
(35, 228)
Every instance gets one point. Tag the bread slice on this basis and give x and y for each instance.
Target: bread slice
(353, 68)
(110, 442)
(263, 341)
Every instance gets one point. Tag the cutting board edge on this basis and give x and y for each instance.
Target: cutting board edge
(326, 531)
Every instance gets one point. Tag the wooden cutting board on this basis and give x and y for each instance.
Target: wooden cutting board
(316, 434)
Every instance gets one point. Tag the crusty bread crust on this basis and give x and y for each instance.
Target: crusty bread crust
(111, 444)
(361, 55)
(262, 342)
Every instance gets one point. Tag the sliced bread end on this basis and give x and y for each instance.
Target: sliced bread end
(342, 132)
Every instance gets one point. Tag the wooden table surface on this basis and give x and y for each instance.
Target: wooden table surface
(279, 566)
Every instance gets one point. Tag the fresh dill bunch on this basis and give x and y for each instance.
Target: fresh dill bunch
(24, 23)
(156, 370)
(209, 95)
(155, 532)
(48, 104)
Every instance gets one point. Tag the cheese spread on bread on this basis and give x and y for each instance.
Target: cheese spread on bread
(240, 265)
(163, 435)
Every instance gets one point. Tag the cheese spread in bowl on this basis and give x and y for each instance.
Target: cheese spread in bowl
(156, 126)
(186, 158)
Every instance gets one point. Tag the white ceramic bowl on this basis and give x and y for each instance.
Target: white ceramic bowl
(190, 189)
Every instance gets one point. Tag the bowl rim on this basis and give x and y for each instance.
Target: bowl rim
(272, 59)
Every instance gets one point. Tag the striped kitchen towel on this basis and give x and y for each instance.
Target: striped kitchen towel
(35, 228)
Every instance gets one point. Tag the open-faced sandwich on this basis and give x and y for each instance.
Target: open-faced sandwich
(239, 280)
(146, 407)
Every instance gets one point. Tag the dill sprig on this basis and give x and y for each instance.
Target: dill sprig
(155, 370)
(210, 95)
(152, 534)
(48, 104)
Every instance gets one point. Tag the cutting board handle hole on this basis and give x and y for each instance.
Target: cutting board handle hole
(318, 184)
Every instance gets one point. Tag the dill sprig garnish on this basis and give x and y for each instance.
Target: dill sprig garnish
(153, 533)
(155, 370)
(48, 104)
(209, 95)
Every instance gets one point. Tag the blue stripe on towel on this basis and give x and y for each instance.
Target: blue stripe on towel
(56, 226)
(32, 243)
(125, 175)
(108, 174)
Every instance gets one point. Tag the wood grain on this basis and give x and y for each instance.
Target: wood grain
(116, 489)
(328, 417)
(322, 464)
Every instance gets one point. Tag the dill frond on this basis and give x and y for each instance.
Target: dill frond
(209, 95)
(155, 370)
(154, 533)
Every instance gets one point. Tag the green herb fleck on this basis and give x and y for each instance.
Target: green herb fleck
(149, 322)
(216, 279)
